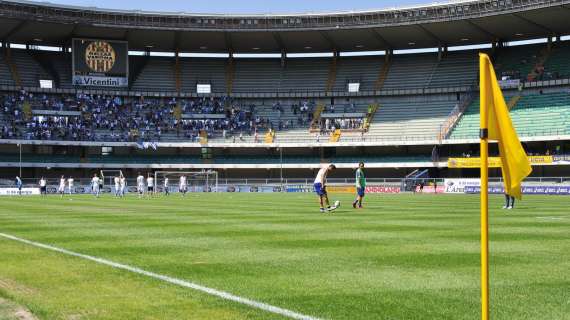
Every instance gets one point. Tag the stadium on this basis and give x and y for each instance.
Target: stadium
(158, 165)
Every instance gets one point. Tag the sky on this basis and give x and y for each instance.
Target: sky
(245, 6)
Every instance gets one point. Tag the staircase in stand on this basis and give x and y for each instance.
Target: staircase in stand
(13, 68)
(177, 74)
(335, 136)
(370, 116)
(316, 118)
(513, 101)
(453, 118)
(539, 65)
(332, 74)
(383, 74)
(230, 72)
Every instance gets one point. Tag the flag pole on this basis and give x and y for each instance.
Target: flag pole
(484, 135)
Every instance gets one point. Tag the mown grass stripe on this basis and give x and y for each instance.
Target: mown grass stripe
(175, 281)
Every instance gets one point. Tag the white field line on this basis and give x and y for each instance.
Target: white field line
(175, 281)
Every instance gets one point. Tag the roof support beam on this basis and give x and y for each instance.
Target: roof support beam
(381, 39)
(70, 35)
(176, 42)
(229, 42)
(492, 36)
(330, 41)
(532, 23)
(279, 41)
(13, 31)
(431, 35)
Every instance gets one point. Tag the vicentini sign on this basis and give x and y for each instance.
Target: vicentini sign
(100, 81)
(100, 63)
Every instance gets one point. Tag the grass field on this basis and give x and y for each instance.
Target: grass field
(402, 257)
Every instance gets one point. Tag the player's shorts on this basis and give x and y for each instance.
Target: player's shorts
(183, 189)
(150, 189)
(140, 189)
(320, 189)
(43, 189)
(360, 191)
(61, 189)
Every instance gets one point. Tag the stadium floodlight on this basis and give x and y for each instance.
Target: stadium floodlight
(196, 181)
(204, 88)
(353, 86)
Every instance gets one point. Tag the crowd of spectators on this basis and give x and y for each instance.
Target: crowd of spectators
(331, 124)
(87, 117)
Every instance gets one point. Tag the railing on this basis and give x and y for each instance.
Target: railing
(33, 182)
(372, 18)
(449, 124)
(537, 134)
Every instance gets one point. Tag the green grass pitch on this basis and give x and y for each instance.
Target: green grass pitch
(401, 257)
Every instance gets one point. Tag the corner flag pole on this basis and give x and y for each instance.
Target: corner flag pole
(484, 135)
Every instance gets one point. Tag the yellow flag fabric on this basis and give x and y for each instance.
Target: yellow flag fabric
(515, 164)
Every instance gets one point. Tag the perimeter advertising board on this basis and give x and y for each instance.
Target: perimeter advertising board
(494, 162)
(100, 63)
(545, 190)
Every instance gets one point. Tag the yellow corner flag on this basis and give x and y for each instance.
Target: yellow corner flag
(496, 124)
(515, 163)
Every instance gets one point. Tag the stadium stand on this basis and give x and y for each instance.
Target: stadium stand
(158, 75)
(29, 70)
(517, 62)
(456, 69)
(5, 74)
(258, 75)
(203, 70)
(359, 69)
(557, 65)
(411, 71)
(534, 115)
(410, 118)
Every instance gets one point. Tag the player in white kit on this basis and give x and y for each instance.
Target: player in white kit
(122, 185)
(117, 181)
(150, 186)
(61, 188)
(140, 185)
(183, 188)
(166, 191)
(95, 185)
(70, 185)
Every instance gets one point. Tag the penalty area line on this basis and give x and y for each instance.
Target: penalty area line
(179, 282)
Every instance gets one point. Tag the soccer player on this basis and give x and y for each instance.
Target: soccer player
(166, 191)
(360, 185)
(70, 185)
(117, 181)
(61, 188)
(140, 185)
(19, 185)
(321, 189)
(101, 180)
(95, 185)
(509, 202)
(150, 185)
(43, 186)
(183, 188)
(123, 184)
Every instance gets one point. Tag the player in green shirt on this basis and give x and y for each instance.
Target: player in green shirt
(360, 185)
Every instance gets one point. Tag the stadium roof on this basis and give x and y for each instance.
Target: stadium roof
(450, 24)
